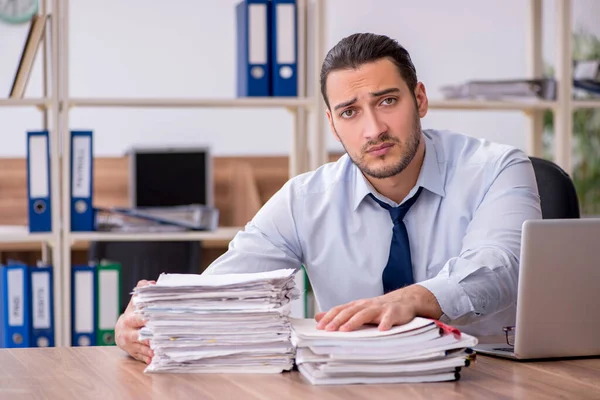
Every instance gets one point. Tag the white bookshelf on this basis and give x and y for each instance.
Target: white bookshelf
(220, 234)
(257, 102)
(308, 149)
(43, 102)
(21, 234)
(474, 105)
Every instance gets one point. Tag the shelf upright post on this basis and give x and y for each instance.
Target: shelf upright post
(318, 149)
(54, 134)
(535, 118)
(66, 162)
(563, 117)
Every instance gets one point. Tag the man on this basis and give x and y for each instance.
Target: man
(407, 223)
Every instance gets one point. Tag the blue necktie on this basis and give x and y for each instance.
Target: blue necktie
(398, 271)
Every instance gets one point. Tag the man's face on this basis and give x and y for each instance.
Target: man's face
(374, 116)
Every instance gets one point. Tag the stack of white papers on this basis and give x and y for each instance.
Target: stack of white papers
(219, 323)
(420, 351)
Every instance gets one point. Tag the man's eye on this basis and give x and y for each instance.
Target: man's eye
(347, 113)
(389, 101)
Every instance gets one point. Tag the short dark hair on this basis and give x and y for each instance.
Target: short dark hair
(360, 48)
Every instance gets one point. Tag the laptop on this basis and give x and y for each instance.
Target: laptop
(558, 300)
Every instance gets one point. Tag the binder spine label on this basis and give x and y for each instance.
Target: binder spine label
(40, 288)
(15, 297)
(81, 166)
(84, 302)
(38, 167)
(257, 43)
(108, 282)
(285, 34)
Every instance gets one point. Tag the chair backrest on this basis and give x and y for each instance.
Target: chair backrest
(557, 192)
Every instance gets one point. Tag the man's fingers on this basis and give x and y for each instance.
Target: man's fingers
(330, 315)
(144, 282)
(138, 348)
(342, 317)
(142, 357)
(368, 315)
(319, 316)
(134, 320)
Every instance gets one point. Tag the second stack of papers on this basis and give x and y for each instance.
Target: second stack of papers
(219, 323)
(420, 351)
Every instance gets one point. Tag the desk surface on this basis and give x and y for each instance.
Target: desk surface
(107, 373)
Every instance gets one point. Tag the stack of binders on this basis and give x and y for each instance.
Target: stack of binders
(26, 305)
(95, 303)
(267, 47)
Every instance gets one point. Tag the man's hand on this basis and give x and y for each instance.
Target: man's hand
(127, 331)
(394, 308)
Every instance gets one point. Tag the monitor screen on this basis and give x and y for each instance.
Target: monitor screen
(171, 177)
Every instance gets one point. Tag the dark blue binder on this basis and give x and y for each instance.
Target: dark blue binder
(15, 319)
(284, 48)
(38, 182)
(253, 56)
(42, 306)
(83, 305)
(82, 181)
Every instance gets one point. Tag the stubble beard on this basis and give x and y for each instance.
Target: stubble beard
(409, 150)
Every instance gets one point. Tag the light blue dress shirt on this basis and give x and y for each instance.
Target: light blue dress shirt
(464, 231)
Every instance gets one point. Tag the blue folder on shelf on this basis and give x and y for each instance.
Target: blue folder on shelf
(83, 305)
(42, 307)
(253, 56)
(284, 48)
(15, 321)
(38, 182)
(82, 181)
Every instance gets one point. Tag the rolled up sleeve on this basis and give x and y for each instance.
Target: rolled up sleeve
(482, 280)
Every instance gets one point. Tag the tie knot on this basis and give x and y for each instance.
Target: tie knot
(397, 213)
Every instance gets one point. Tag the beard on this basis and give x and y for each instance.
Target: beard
(408, 152)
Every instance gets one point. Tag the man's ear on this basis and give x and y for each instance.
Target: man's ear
(331, 125)
(422, 101)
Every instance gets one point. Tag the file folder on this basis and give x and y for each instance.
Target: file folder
(108, 292)
(83, 305)
(284, 48)
(15, 322)
(38, 182)
(42, 307)
(253, 58)
(82, 173)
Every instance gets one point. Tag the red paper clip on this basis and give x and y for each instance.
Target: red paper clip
(448, 329)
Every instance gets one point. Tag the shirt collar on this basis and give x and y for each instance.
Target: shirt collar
(430, 177)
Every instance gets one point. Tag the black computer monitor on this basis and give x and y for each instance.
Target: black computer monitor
(170, 176)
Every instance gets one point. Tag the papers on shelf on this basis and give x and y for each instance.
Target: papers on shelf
(421, 351)
(219, 323)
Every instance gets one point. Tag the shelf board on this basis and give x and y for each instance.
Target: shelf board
(221, 234)
(247, 102)
(21, 234)
(579, 104)
(24, 102)
(490, 105)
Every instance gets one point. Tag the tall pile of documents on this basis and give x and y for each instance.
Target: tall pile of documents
(421, 351)
(219, 323)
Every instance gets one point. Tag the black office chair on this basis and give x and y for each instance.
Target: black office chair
(557, 192)
(147, 260)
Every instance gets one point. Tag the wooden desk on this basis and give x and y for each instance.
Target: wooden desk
(107, 373)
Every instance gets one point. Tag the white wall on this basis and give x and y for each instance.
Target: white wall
(183, 49)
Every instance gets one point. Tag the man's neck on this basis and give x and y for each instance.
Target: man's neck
(397, 187)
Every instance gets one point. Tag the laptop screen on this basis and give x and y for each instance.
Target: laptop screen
(171, 178)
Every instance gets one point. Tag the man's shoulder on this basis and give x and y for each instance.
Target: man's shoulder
(326, 177)
(461, 150)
